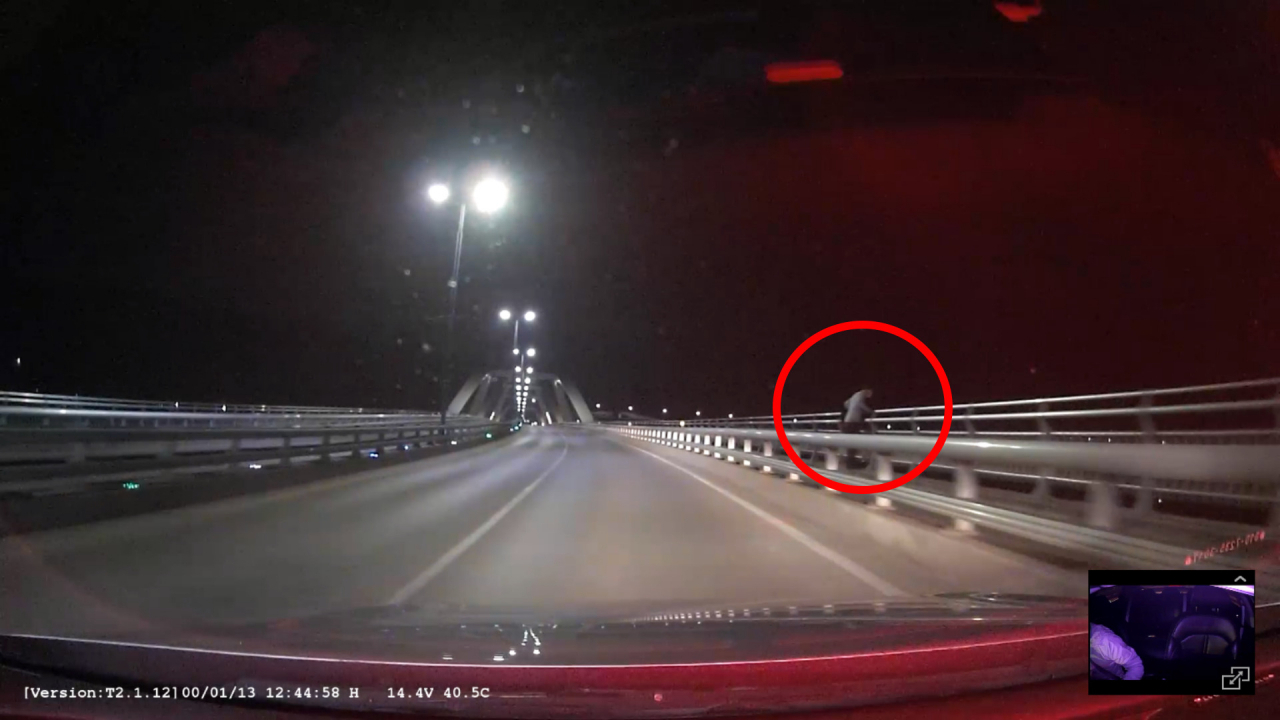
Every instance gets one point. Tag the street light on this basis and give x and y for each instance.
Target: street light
(438, 193)
(530, 352)
(505, 315)
(489, 195)
(629, 408)
(664, 411)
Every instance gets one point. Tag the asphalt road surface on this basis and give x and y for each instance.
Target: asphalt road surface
(552, 519)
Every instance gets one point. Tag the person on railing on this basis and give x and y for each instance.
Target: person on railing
(857, 410)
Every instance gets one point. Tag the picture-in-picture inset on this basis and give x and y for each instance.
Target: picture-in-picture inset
(1171, 632)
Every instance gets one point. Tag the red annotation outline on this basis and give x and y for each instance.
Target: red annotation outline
(879, 487)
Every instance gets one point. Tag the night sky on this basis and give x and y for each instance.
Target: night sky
(223, 202)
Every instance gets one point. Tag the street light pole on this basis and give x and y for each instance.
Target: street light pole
(515, 343)
(453, 313)
(488, 196)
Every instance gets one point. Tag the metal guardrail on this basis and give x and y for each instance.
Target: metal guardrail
(56, 443)
(1237, 412)
(1201, 463)
(12, 400)
(1101, 535)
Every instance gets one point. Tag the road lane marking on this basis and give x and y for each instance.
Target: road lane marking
(439, 566)
(789, 530)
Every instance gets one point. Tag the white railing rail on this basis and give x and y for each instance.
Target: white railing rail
(55, 443)
(1098, 525)
(1236, 412)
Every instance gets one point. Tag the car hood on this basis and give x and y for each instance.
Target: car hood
(629, 634)
(679, 659)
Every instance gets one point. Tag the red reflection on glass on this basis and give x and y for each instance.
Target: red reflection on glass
(793, 72)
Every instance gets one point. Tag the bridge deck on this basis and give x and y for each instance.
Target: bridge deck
(555, 518)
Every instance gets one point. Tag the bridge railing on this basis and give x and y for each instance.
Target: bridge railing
(54, 443)
(1163, 489)
(1237, 412)
(1096, 522)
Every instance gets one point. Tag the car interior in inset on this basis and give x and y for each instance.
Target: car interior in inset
(1181, 632)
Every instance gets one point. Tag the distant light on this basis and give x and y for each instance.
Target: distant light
(698, 413)
(528, 380)
(1019, 12)
(504, 314)
(529, 369)
(664, 411)
(794, 72)
(489, 435)
(530, 316)
(490, 195)
(517, 368)
(438, 193)
(630, 408)
(515, 351)
(730, 416)
(681, 423)
(531, 352)
(255, 466)
(597, 406)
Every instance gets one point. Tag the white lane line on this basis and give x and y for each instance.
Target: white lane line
(786, 528)
(456, 551)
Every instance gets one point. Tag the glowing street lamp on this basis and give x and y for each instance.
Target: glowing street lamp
(438, 193)
(529, 316)
(488, 196)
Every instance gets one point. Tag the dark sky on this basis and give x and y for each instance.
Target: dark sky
(224, 203)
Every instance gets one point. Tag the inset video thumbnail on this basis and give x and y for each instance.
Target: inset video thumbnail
(1183, 632)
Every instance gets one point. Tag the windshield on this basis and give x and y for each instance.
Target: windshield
(539, 315)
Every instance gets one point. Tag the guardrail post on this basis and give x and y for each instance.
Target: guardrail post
(286, 451)
(1040, 493)
(966, 488)
(968, 421)
(966, 482)
(835, 459)
(324, 448)
(883, 468)
(732, 443)
(915, 425)
(768, 448)
(1142, 503)
(1041, 423)
(717, 440)
(746, 445)
(1104, 505)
